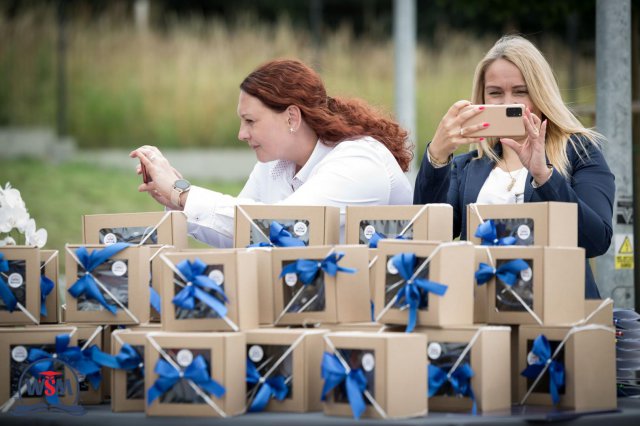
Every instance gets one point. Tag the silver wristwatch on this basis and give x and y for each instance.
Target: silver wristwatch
(179, 186)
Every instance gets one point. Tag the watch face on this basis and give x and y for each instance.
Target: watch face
(182, 184)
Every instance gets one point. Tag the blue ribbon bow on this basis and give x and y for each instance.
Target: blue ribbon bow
(127, 359)
(414, 291)
(73, 356)
(377, 236)
(46, 287)
(197, 283)
(155, 300)
(87, 284)
(542, 350)
(460, 381)
(306, 270)
(489, 235)
(507, 272)
(5, 292)
(279, 237)
(334, 373)
(274, 386)
(168, 376)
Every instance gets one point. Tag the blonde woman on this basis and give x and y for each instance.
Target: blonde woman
(557, 160)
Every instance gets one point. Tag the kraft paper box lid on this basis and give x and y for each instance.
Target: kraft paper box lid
(23, 280)
(487, 350)
(589, 358)
(550, 291)
(126, 271)
(396, 371)
(541, 224)
(314, 225)
(346, 296)
(450, 264)
(226, 367)
(161, 227)
(49, 269)
(419, 222)
(295, 354)
(233, 270)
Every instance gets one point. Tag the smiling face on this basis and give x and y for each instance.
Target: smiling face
(504, 84)
(265, 130)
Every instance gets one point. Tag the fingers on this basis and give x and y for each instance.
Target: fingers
(512, 144)
(455, 109)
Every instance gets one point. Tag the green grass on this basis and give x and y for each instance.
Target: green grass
(58, 196)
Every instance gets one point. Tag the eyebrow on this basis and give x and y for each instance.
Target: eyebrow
(519, 86)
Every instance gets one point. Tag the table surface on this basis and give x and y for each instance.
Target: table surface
(628, 413)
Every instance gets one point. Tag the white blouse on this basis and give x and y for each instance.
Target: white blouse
(495, 189)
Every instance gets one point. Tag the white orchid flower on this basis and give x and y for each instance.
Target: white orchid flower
(8, 241)
(33, 237)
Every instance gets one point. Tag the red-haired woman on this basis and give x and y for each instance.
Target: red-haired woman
(312, 149)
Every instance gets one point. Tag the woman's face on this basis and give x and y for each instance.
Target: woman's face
(504, 84)
(265, 130)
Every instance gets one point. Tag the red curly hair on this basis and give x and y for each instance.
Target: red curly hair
(284, 82)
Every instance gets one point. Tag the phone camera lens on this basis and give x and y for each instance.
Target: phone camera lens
(514, 112)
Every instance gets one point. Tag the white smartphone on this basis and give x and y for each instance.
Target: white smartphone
(504, 121)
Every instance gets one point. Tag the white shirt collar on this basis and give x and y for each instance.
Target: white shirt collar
(286, 168)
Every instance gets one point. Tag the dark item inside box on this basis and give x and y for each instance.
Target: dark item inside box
(19, 362)
(444, 355)
(390, 228)
(264, 357)
(522, 229)
(301, 297)
(128, 234)
(363, 359)
(394, 283)
(543, 384)
(135, 378)
(18, 267)
(505, 301)
(115, 277)
(298, 228)
(201, 310)
(182, 392)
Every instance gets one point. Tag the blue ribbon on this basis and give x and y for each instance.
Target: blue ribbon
(5, 292)
(334, 374)
(168, 376)
(155, 300)
(376, 237)
(279, 237)
(507, 272)
(46, 286)
(306, 270)
(542, 350)
(87, 284)
(197, 284)
(414, 292)
(489, 235)
(460, 381)
(127, 359)
(273, 387)
(73, 356)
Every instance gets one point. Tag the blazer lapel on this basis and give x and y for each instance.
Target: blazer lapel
(528, 189)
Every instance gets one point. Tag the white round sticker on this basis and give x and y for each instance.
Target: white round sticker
(19, 353)
(256, 353)
(119, 268)
(369, 230)
(109, 239)
(368, 362)
(184, 357)
(300, 229)
(391, 268)
(532, 358)
(291, 279)
(526, 274)
(434, 350)
(15, 280)
(217, 276)
(524, 232)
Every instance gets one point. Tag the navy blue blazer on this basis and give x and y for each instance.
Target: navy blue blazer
(591, 185)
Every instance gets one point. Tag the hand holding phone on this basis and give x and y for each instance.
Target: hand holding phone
(504, 121)
(146, 177)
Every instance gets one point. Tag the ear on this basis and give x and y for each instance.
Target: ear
(294, 117)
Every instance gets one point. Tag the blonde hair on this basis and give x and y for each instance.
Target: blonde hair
(545, 95)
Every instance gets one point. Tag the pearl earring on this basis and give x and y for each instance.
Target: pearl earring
(290, 129)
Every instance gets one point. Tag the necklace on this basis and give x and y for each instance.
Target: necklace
(513, 179)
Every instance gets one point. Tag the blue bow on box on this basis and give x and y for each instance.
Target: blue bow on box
(507, 272)
(542, 350)
(307, 270)
(460, 380)
(197, 283)
(127, 359)
(334, 374)
(279, 237)
(488, 234)
(414, 291)
(377, 236)
(46, 287)
(197, 372)
(87, 285)
(273, 387)
(5, 292)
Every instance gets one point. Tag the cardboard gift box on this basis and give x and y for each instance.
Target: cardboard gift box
(421, 222)
(213, 357)
(90, 335)
(312, 225)
(265, 285)
(598, 311)
(392, 366)
(155, 279)
(288, 361)
(482, 352)
(20, 275)
(445, 264)
(552, 224)
(152, 228)
(372, 327)
(547, 287)
(195, 301)
(127, 383)
(49, 277)
(586, 353)
(325, 298)
(122, 281)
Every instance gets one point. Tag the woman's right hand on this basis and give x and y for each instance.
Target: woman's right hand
(451, 130)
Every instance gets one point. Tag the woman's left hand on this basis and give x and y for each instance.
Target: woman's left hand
(160, 170)
(531, 152)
